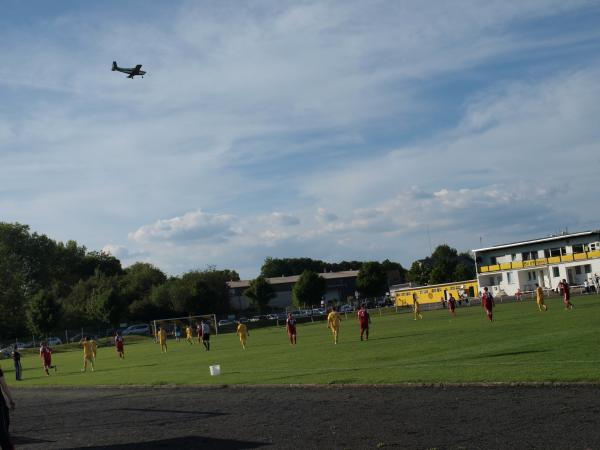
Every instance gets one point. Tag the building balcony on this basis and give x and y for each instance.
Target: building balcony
(540, 262)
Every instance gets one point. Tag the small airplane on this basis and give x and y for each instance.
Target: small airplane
(132, 72)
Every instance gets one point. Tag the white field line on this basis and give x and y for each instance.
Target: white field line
(412, 365)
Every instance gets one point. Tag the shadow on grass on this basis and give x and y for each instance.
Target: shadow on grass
(398, 336)
(184, 442)
(520, 352)
(23, 440)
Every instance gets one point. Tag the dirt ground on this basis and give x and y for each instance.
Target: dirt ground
(358, 417)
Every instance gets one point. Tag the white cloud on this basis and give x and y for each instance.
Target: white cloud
(192, 226)
(123, 253)
(283, 219)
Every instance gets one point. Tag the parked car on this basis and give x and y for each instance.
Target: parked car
(273, 316)
(79, 337)
(257, 318)
(52, 341)
(346, 308)
(224, 322)
(143, 329)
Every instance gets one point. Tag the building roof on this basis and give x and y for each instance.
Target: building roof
(294, 278)
(535, 241)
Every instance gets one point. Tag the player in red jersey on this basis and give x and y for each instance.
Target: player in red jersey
(487, 302)
(452, 305)
(290, 325)
(199, 332)
(566, 291)
(120, 345)
(364, 319)
(46, 357)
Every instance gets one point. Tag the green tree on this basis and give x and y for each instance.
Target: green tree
(419, 273)
(309, 289)
(371, 280)
(136, 285)
(396, 274)
(463, 273)
(43, 313)
(260, 292)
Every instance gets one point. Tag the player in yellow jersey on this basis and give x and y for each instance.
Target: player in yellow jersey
(94, 349)
(189, 334)
(539, 298)
(333, 323)
(416, 307)
(88, 353)
(242, 331)
(162, 339)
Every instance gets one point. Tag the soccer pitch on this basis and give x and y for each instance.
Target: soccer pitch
(521, 345)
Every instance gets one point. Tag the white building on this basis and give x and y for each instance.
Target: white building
(520, 265)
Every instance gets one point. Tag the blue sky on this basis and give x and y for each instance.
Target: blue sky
(331, 129)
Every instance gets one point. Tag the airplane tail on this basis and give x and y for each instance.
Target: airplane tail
(114, 67)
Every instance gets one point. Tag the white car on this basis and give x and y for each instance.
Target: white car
(143, 328)
(346, 308)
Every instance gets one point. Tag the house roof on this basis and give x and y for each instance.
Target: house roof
(535, 241)
(294, 278)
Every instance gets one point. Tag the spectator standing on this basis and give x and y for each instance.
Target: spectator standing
(519, 295)
(5, 395)
(16, 356)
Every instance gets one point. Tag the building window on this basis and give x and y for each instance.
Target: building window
(513, 257)
(588, 268)
(577, 270)
(578, 248)
(555, 272)
(547, 253)
(509, 277)
(493, 261)
(531, 276)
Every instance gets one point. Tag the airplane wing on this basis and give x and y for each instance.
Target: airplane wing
(137, 69)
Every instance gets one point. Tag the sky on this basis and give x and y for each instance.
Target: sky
(335, 130)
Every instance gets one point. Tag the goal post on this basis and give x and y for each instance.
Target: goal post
(180, 323)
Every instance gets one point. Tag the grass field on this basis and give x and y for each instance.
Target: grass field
(521, 345)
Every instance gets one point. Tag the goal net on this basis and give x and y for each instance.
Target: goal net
(175, 326)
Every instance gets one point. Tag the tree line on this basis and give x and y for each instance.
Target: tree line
(44, 283)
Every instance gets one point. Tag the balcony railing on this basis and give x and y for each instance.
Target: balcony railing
(540, 261)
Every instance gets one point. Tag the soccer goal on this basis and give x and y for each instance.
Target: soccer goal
(175, 326)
